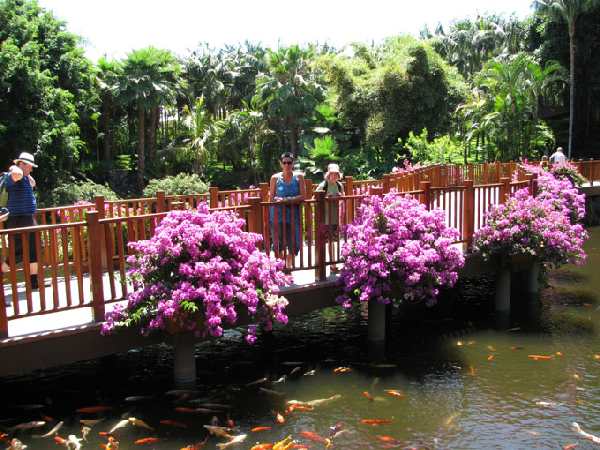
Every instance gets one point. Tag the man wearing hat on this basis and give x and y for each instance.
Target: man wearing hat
(21, 209)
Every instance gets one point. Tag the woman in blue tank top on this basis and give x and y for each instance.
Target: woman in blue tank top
(288, 189)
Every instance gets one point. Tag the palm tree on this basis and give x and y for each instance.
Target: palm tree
(289, 92)
(107, 78)
(570, 11)
(150, 79)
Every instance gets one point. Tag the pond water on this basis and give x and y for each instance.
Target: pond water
(447, 383)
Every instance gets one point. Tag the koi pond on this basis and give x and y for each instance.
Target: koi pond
(451, 380)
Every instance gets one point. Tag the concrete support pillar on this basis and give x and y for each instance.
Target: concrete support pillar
(377, 321)
(184, 364)
(502, 299)
(533, 278)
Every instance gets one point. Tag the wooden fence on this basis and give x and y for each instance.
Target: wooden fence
(82, 249)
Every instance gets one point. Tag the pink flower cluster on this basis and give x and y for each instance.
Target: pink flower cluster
(539, 227)
(407, 167)
(397, 250)
(196, 273)
(560, 191)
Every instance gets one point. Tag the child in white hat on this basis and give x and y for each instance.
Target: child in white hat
(333, 188)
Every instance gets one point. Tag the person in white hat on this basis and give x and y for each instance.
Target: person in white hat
(332, 186)
(22, 206)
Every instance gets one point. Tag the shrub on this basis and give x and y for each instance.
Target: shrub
(180, 184)
(80, 191)
(568, 171)
(397, 250)
(531, 226)
(195, 274)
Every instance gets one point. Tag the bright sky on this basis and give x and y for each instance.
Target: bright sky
(114, 27)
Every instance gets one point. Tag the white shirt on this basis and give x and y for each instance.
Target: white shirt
(558, 158)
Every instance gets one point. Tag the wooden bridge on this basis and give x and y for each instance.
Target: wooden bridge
(82, 251)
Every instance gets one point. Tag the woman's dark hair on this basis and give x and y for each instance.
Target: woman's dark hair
(289, 155)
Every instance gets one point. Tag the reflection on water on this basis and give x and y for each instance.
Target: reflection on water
(446, 383)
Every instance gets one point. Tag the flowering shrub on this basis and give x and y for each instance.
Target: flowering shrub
(568, 171)
(534, 226)
(398, 250)
(407, 167)
(196, 272)
(560, 191)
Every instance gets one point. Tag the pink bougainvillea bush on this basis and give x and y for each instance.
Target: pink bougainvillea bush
(560, 191)
(397, 250)
(196, 273)
(569, 171)
(531, 226)
(407, 167)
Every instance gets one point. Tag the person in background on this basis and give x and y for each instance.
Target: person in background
(288, 189)
(21, 207)
(544, 162)
(558, 157)
(332, 186)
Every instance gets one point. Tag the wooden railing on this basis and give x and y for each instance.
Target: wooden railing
(82, 249)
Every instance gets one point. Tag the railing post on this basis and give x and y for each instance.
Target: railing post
(254, 216)
(264, 192)
(99, 201)
(468, 212)
(96, 233)
(349, 190)
(309, 187)
(3, 316)
(426, 197)
(214, 197)
(504, 190)
(533, 184)
(161, 202)
(320, 244)
(386, 183)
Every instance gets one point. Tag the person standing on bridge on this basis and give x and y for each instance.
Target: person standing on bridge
(22, 206)
(558, 157)
(332, 188)
(288, 189)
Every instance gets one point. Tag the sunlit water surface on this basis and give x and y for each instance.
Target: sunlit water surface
(466, 384)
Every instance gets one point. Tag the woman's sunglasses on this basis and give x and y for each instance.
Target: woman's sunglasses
(288, 162)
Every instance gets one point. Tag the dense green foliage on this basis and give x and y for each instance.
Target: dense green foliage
(180, 184)
(68, 193)
(484, 88)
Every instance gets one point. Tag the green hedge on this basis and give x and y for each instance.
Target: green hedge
(75, 191)
(180, 184)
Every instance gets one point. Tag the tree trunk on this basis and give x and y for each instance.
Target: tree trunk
(107, 131)
(572, 86)
(141, 153)
(152, 133)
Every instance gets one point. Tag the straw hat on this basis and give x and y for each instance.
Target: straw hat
(333, 168)
(26, 158)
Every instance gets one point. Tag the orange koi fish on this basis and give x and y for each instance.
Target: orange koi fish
(375, 422)
(316, 438)
(540, 357)
(299, 407)
(266, 446)
(93, 409)
(186, 410)
(394, 393)
(388, 439)
(197, 445)
(257, 429)
(279, 419)
(559, 353)
(368, 396)
(339, 370)
(103, 433)
(491, 357)
(570, 446)
(516, 347)
(112, 444)
(60, 440)
(173, 423)
(148, 440)
(3, 437)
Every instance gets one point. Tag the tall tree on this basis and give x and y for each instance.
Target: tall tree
(570, 11)
(150, 79)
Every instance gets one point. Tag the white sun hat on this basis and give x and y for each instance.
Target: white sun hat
(26, 158)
